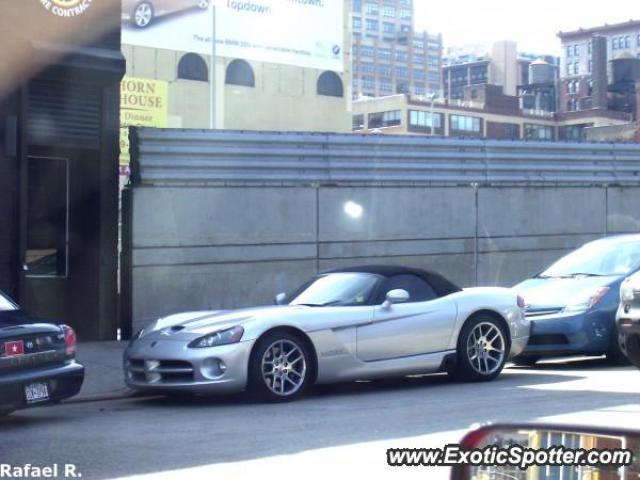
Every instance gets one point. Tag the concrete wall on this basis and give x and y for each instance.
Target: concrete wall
(206, 247)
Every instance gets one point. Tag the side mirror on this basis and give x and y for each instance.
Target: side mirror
(396, 296)
(280, 299)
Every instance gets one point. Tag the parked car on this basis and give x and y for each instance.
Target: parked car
(628, 317)
(37, 360)
(143, 12)
(357, 323)
(572, 304)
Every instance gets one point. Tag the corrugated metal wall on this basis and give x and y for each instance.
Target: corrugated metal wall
(226, 219)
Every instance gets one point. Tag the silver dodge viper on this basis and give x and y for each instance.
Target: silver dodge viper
(350, 324)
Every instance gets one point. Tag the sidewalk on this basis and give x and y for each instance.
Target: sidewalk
(103, 379)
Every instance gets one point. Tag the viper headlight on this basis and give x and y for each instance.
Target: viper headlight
(222, 337)
(586, 300)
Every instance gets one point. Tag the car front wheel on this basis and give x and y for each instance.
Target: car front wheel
(482, 350)
(279, 367)
(143, 14)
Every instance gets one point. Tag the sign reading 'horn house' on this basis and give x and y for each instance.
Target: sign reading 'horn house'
(143, 103)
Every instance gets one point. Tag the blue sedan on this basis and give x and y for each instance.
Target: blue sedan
(572, 304)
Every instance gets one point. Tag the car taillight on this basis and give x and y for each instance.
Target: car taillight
(70, 340)
(521, 302)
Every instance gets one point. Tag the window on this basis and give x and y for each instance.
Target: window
(368, 83)
(401, 56)
(239, 72)
(367, 51)
(405, 13)
(384, 54)
(373, 25)
(576, 68)
(388, 11)
(358, 122)
(384, 119)
(569, 51)
(385, 70)
(615, 43)
(330, 85)
(402, 72)
(367, 67)
(357, 6)
(418, 289)
(460, 123)
(193, 67)
(388, 27)
(425, 120)
(372, 8)
(47, 252)
(357, 23)
(569, 68)
(418, 43)
(538, 132)
(419, 74)
(386, 85)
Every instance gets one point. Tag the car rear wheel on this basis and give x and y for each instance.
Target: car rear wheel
(615, 353)
(483, 349)
(143, 14)
(279, 367)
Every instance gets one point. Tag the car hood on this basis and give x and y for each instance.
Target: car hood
(558, 292)
(204, 322)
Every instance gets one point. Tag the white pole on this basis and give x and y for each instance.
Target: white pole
(212, 70)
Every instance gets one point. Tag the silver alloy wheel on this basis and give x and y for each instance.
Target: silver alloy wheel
(203, 4)
(284, 367)
(143, 14)
(485, 348)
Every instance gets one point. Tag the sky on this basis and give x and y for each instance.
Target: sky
(532, 23)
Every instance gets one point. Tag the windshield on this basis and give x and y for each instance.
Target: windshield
(6, 304)
(597, 259)
(345, 289)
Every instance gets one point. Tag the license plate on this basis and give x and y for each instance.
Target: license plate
(36, 392)
(12, 349)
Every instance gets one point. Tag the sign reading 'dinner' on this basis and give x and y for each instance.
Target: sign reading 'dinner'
(66, 8)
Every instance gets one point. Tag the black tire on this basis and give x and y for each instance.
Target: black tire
(464, 369)
(615, 353)
(287, 370)
(4, 413)
(136, 20)
(527, 361)
(632, 347)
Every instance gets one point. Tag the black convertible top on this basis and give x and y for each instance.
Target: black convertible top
(441, 285)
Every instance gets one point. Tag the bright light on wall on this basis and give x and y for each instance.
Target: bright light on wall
(353, 209)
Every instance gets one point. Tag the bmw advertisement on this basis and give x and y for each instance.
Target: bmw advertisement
(305, 33)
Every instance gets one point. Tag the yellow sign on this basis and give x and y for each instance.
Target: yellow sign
(143, 103)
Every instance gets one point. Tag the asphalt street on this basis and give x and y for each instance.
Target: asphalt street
(335, 431)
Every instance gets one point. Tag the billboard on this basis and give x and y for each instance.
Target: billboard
(305, 33)
(143, 103)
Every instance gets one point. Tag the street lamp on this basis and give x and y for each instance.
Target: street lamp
(432, 98)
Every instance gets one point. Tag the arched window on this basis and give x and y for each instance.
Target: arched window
(330, 85)
(240, 72)
(193, 67)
